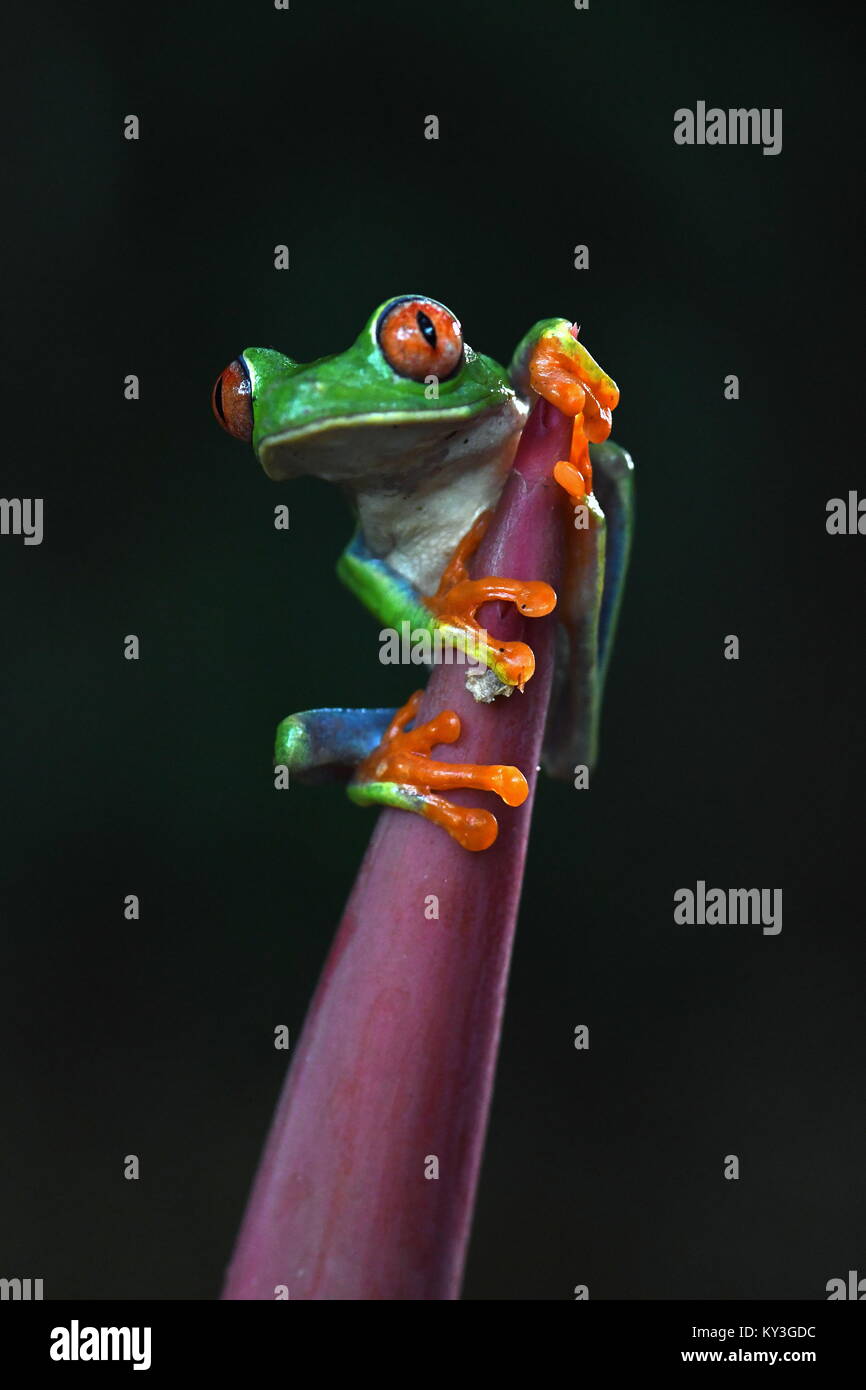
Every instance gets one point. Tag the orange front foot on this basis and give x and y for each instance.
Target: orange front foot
(458, 599)
(562, 371)
(401, 773)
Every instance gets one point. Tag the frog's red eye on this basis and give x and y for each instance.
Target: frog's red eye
(420, 338)
(232, 400)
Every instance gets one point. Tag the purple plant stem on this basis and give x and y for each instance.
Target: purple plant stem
(396, 1060)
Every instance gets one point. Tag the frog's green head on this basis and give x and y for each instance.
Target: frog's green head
(408, 395)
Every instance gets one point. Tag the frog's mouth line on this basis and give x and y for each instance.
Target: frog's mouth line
(382, 417)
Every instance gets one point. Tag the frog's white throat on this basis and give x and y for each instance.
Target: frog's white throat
(416, 527)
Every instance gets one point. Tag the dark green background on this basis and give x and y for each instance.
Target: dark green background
(155, 1038)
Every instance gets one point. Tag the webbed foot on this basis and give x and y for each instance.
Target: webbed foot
(401, 773)
(457, 601)
(562, 371)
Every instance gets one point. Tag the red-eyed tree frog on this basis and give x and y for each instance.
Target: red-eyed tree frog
(421, 432)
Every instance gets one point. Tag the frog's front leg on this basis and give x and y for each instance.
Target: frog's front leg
(598, 494)
(449, 614)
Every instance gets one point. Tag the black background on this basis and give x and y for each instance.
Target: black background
(305, 127)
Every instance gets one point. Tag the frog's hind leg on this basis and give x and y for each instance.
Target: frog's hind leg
(388, 764)
(327, 745)
(399, 772)
(600, 530)
(613, 471)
